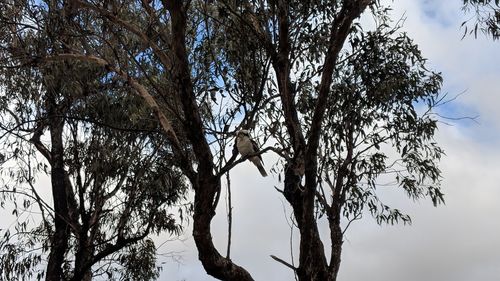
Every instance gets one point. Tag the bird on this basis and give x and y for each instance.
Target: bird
(247, 146)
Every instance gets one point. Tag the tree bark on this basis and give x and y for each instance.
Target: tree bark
(312, 261)
(337, 239)
(60, 238)
(84, 255)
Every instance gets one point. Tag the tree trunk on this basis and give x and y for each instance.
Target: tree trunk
(337, 239)
(214, 263)
(313, 264)
(60, 238)
(83, 258)
(312, 260)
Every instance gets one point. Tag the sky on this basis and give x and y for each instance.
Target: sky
(454, 242)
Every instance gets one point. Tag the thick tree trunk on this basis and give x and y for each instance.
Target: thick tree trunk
(83, 258)
(312, 260)
(313, 264)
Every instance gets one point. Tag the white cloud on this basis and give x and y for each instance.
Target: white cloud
(453, 242)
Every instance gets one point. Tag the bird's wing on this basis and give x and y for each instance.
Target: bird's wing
(255, 148)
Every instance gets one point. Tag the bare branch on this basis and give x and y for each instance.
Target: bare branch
(283, 262)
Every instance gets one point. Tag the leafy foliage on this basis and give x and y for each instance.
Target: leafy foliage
(122, 176)
(487, 15)
(382, 99)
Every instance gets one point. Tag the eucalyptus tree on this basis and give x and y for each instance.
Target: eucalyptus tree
(112, 179)
(342, 105)
(356, 110)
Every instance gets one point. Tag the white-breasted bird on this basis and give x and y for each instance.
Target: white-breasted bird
(248, 146)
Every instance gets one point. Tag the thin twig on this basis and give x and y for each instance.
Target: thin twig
(283, 262)
(229, 216)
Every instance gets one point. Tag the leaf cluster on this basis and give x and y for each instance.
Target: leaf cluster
(486, 15)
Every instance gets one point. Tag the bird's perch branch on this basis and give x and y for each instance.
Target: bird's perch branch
(233, 162)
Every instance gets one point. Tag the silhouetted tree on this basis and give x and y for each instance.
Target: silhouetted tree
(112, 178)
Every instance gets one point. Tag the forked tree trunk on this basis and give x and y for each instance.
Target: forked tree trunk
(312, 260)
(313, 264)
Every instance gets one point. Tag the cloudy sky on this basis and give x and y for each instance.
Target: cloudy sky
(455, 242)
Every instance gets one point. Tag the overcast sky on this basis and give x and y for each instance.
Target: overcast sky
(456, 242)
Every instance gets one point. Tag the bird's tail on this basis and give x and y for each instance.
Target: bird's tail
(261, 170)
(257, 162)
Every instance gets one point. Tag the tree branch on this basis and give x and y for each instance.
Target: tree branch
(338, 34)
(283, 262)
(231, 163)
(130, 27)
(140, 90)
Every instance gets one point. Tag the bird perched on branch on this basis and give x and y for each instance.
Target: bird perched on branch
(247, 146)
